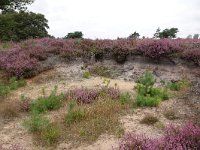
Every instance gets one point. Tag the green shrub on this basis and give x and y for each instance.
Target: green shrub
(147, 94)
(124, 98)
(52, 102)
(51, 134)
(149, 120)
(36, 122)
(86, 75)
(147, 101)
(159, 92)
(74, 115)
(147, 79)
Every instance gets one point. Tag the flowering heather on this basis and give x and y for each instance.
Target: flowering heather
(192, 55)
(83, 95)
(16, 62)
(112, 92)
(185, 138)
(155, 49)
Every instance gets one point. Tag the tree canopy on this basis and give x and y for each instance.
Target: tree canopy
(134, 35)
(21, 25)
(166, 33)
(74, 35)
(12, 5)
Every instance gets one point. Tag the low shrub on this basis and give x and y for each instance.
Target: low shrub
(192, 55)
(149, 120)
(156, 49)
(52, 102)
(84, 95)
(185, 137)
(25, 104)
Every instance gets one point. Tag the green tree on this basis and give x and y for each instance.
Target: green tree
(166, 33)
(134, 35)
(12, 5)
(21, 25)
(74, 35)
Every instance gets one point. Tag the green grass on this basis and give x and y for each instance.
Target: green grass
(12, 85)
(36, 122)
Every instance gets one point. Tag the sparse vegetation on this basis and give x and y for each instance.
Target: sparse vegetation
(149, 120)
(74, 115)
(177, 86)
(100, 70)
(171, 115)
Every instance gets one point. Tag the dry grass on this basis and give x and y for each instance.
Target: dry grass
(149, 120)
(9, 109)
(101, 117)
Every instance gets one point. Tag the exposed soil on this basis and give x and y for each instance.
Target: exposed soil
(67, 76)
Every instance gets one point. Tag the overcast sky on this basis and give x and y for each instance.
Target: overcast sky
(119, 18)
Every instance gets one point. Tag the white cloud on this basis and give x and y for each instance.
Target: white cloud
(119, 18)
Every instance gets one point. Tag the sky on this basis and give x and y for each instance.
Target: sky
(119, 18)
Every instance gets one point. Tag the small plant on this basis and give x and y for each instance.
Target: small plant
(51, 134)
(171, 115)
(124, 98)
(149, 120)
(147, 94)
(74, 115)
(177, 86)
(52, 102)
(86, 75)
(36, 122)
